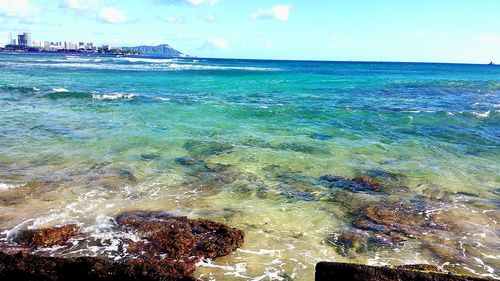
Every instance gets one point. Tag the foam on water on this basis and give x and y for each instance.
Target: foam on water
(7, 186)
(147, 60)
(60, 90)
(113, 96)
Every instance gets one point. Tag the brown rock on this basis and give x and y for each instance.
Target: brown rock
(29, 267)
(175, 244)
(46, 237)
(333, 271)
(389, 217)
(367, 182)
(169, 249)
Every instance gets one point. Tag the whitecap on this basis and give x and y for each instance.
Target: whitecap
(77, 59)
(146, 60)
(162, 98)
(60, 90)
(175, 66)
(36, 89)
(481, 114)
(114, 96)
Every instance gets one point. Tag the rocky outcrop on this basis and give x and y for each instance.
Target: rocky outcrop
(30, 267)
(362, 183)
(46, 237)
(168, 249)
(332, 271)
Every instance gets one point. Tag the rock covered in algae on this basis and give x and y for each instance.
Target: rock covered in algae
(30, 267)
(169, 249)
(46, 237)
(174, 237)
(332, 271)
(361, 183)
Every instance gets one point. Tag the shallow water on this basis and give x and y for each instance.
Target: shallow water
(83, 138)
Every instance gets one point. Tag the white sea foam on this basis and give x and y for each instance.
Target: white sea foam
(7, 186)
(482, 114)
(176, 66)
(36, 89)
(113, 96)
(262, 252)
(147, 60)
(60, 90)
(162, 98)
(77, 59)
(140, 67)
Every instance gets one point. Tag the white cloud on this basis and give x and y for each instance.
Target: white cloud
(81, 5)
(419, 33)
(190, 2)
(489, 38)
(112, 15)
(218, 43)
(16, 8)
(279, 12)
(174, 19)
(269, 45)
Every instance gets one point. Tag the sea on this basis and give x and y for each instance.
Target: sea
(280, 149)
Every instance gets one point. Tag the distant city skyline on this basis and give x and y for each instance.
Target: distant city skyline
(376, 30)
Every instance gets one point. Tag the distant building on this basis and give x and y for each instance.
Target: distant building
(24, 39)
(37, 44)
(70, 45)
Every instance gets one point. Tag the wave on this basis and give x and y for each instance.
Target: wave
(20, 89)
(78, 59)
(150, 60)
(175, 66)
(141, 67)
(482, 114)
(162, 98)
(60, 90)
(113, 96)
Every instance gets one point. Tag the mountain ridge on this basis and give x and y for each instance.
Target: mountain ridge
(162, 50)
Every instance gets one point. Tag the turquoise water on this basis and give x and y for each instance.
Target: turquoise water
(244, 142)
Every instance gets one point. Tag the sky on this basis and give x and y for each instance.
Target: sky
(359, 30)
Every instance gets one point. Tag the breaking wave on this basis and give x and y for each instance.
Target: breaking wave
(113, 96)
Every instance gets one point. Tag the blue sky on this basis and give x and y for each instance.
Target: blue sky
(373, 30)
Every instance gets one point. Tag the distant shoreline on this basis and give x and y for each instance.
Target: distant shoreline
(73, 52)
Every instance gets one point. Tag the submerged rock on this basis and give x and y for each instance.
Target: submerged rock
(150, 156)
(46, 237)
(319, 136)
(358, 184)
(389, 218)
(186, 161)
(169, 249)
(206, 148)
(299, 147)
(352, 241)
(330, 271)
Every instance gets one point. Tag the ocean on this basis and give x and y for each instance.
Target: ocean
(375, 163)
